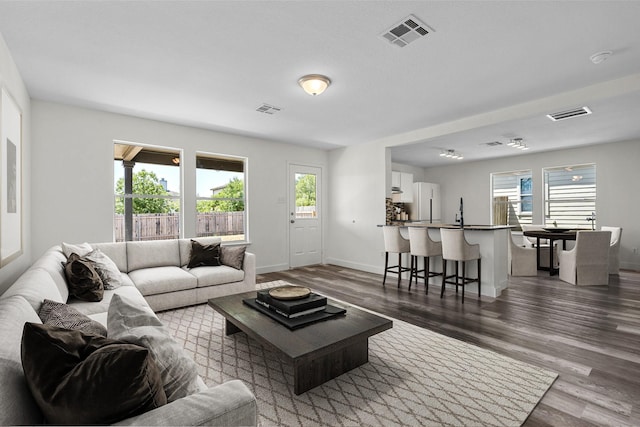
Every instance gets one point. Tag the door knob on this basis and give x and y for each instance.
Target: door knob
(292, 221)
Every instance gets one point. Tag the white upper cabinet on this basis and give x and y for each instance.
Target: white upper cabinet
(404, 181)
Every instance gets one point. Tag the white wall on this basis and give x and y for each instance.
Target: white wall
(73, 176)
(11, 81)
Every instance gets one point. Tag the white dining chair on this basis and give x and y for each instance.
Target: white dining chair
(522, 259)
(588, 262)
(614, 248)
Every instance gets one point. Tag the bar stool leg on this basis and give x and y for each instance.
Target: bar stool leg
(444, 276)
(479, 275)
(412, 272)
(399, 268)
(464, 275)
(426, 274)
(386, 264)
(457, 276)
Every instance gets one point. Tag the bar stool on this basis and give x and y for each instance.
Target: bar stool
(421, 245)
(456, 248)
(394, 243)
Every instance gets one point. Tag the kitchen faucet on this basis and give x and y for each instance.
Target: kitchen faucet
(461, 220)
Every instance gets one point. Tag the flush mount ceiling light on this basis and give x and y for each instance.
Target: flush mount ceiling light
(451, 154)
(517, 143)
(314, 84)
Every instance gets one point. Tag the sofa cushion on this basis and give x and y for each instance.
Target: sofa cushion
(185, 246)
(117, 251)
(35, 285)
(65, 316)
(159, 280)
(83, 279)
(52, 261)
(130, 323)
(78, 378)
(158, 253)
(75, 248)
(17, 406)
(204, 255)
(211, 276)
(106, 268)
(91, 308)
(233, 256)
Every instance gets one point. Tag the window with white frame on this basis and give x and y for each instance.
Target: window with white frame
(570, 196)
(147, 192)
(220, 196)
(512, 197)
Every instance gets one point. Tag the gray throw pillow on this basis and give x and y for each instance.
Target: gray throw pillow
(233, 256)
(64, 316)
(137, 325)
(106, 268)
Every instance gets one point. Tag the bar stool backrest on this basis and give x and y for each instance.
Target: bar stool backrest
(455, 246)
(421, 243)
(393, 240)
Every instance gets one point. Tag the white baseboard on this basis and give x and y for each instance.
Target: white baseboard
(271, 268)
(356, 266)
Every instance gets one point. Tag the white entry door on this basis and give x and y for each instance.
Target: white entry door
(305, 222)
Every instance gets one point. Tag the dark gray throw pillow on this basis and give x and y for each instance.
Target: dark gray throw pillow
(106, 269)
(84, 379)
(64, 316)
(203, 255)
(233, 256)
(82, 279)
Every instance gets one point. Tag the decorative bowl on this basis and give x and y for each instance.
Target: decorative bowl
(289, 292)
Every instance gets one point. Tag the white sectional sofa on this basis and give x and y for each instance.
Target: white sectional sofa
(154, 276)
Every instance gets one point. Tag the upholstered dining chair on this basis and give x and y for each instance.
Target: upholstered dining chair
(614, 248)
(394, 243)
(456, 248)
(522, 259)
(422, 246)
(588, 262)
(530, 242)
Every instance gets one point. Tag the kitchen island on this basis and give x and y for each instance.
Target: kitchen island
(493, 241)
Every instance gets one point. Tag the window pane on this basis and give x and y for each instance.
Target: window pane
(306, 196)
(512, 198)
(153, 195)
(220, 197)
(570, 195)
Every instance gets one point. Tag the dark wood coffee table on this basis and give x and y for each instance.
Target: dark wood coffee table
(318, 352)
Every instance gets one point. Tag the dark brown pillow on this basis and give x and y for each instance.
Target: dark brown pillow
(202, 255)
(233, 256)
(82, 279)
(78, 378)
(64, 316)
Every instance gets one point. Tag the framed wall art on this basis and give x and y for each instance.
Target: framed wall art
(10, 179)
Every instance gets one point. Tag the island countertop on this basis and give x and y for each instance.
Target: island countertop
(443, 225)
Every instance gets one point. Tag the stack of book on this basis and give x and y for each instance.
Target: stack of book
(292, 309)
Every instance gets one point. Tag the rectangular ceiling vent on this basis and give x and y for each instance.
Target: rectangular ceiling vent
(406, 31)
(569, 114)
(492, 143)
(268, 109)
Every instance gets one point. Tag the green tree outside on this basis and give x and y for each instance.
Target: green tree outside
(306, 190)
(146, 183)
(229, 199)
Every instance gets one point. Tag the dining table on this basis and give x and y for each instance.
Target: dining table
(551, 235)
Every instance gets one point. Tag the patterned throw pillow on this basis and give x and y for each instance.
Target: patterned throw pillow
(106, 268)
(233, 256)
(202, 255)
(83, 379)
(64, 316)
(81, 249)
(82, 279)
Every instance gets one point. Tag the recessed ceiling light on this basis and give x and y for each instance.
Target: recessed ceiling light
(599, 57)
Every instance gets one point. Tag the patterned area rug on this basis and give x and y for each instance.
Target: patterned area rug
(414, 377)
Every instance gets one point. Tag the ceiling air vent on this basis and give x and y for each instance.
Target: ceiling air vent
(406, 31)
(268, 109)
(492, 143)
(569, 114)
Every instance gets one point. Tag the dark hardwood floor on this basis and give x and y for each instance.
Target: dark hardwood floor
(590, 336)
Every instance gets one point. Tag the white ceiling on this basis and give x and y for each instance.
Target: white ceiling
(489, 72)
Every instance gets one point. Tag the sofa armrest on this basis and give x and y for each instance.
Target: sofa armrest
(228, 404)
(249, 268)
